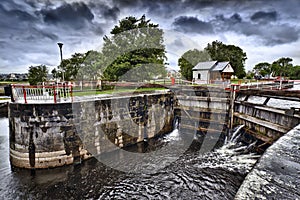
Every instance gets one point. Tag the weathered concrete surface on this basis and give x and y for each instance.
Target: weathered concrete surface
(277, 173)
(51, 135)
(266, 122)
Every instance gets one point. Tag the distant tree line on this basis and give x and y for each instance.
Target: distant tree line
(281, 67)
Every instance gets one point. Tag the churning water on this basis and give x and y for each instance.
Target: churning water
(213, 175)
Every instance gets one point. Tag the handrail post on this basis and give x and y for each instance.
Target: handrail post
(24, 94)
(54, 94)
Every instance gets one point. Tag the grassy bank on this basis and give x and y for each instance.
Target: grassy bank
(115, 91)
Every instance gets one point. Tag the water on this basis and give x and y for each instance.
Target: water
(213, 175)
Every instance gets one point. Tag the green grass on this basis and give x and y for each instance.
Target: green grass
(3, 83)
(236, 81)
(116, 91)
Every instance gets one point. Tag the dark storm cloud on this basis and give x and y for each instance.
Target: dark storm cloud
(36, 3)
(262, 16)
(163, 9)
(269, 34)
(192, 25)
(104, 11)
(37, 25)
(76, 15)
(14, 18)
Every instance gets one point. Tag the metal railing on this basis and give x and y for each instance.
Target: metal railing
(42, 94)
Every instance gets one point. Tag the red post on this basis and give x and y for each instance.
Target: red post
(24, 93)
(54, 94)
(173, 80)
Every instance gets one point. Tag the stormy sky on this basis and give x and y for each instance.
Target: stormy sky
(30, 29)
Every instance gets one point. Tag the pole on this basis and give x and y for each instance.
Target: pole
(234, 88)
(61, 58)
(24, 94)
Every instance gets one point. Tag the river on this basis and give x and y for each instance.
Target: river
(213, 175)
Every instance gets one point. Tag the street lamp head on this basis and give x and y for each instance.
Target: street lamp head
(60, 44)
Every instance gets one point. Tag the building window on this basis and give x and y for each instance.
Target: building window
(199, 76)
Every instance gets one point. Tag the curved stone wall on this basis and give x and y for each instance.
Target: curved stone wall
(51, 135)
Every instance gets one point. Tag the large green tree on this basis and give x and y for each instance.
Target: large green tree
(263, 68)
(37, 74)
(282, 66)
(189, 59)
(234, 54)
(68, 68)
(135, 51)
(90, 68)
(294, 72)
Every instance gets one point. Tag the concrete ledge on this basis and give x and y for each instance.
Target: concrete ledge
(45, 159)
(276, 175)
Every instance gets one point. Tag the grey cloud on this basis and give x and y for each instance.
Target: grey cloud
(178, 43)
(270, 34)
(20, 25)
(164, 9)
(264, 17)
(235, 18)
(112, 13)
(15, 18)
(76, 15)
(37, 34)
(36, 3)
(281, 34)
(192, 25)
(104, 10)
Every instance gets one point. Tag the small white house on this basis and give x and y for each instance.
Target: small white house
(212, 72)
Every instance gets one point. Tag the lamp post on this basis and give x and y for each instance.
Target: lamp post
(61, 58)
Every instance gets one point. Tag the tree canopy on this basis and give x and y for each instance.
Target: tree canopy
(189, 59)
(135, 43)
(90, 68)
(234, 54)
(68, 68)
(280, 67)
(263, 68)
(37, 74)
(295, 72)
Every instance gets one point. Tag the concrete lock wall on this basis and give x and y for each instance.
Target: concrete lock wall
(265, 122)
(52, 135)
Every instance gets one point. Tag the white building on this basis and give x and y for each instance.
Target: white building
(212, 72)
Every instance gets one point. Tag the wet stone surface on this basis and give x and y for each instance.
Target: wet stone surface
(277, 174)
